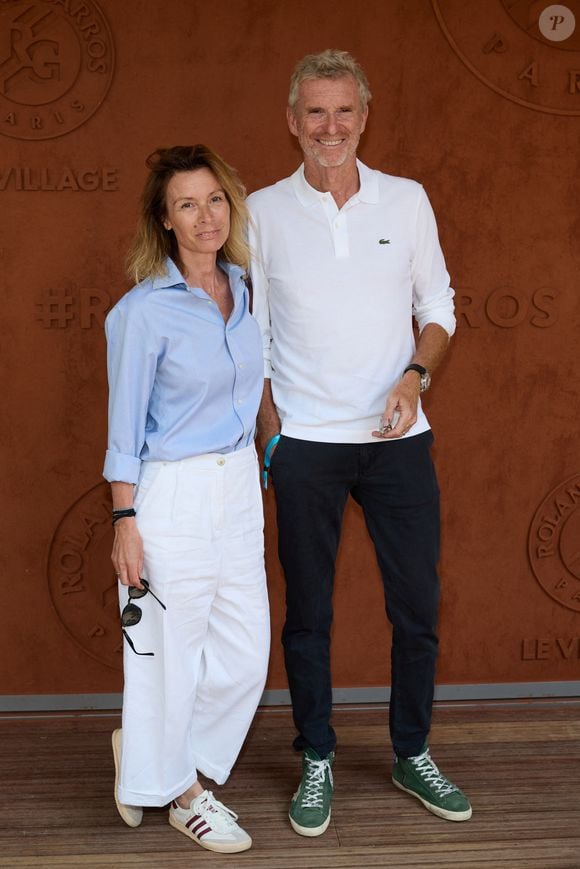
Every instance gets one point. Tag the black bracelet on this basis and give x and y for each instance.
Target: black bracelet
(122, 514)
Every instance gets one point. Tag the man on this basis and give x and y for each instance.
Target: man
(345, 256)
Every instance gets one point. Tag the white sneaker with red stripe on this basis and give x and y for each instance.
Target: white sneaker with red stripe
(211, 824)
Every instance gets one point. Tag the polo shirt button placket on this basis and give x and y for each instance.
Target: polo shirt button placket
(340, 236)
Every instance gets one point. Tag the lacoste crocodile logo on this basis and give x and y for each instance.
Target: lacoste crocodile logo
(384, 240)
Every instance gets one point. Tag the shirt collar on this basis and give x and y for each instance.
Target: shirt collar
(171, 278)
(308, 196)
(174, 278)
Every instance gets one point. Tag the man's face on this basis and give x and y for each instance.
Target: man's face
(328, 120)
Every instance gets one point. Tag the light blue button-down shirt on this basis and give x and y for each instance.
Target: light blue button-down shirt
(181, 381)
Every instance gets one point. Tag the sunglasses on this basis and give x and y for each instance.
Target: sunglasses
(131, 614)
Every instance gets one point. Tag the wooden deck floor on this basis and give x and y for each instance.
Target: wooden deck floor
(520, 764)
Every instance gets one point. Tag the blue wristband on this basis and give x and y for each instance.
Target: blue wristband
(267, 458)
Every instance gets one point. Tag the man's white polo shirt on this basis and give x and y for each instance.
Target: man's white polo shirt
(335, 292)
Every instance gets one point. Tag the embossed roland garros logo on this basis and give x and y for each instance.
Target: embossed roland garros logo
(81, 579)
(56, 66)
(525, 50)
(554, 543)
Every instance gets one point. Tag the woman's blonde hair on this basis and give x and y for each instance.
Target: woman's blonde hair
(153, 242)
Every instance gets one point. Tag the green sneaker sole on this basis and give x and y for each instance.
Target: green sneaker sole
(436, 810)
(309, 831)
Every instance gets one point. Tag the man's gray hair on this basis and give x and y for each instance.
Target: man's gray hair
(328, 64)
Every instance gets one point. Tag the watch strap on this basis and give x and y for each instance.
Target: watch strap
(414, 367)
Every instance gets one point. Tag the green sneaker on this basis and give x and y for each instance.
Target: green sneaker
(420, 777)
(310, 807)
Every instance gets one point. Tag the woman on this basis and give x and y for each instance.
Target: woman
(185, 379)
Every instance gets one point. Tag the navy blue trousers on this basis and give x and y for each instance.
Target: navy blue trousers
(396, 487)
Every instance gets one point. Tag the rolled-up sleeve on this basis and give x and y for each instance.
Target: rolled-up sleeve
(260, 285)
(131, 366)
(432, 295)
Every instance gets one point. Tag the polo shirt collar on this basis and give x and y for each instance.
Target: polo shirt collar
(308, 196)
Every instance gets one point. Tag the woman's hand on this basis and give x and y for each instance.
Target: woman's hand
(127, 554)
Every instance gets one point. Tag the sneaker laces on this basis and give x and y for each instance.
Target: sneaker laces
(313, 787)
(427, 769)
(219, 817)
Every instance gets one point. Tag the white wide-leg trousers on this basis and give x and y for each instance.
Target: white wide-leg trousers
(189, 707)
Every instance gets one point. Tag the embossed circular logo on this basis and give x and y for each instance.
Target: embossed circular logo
(554, 544)
(82, 582)
(56, 66)
(525, 50)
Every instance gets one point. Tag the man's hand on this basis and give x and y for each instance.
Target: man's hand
(268, 419)
(401, 408)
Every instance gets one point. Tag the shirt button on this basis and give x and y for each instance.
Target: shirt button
(221, 461)
(240, 401)
(240, 364)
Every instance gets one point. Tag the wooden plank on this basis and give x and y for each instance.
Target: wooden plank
(520, 764)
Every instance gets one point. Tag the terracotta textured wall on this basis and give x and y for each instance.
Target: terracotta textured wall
(480, 101)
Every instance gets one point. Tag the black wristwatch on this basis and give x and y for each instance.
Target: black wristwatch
(425, 377)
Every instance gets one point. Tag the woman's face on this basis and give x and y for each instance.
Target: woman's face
(198, 212)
